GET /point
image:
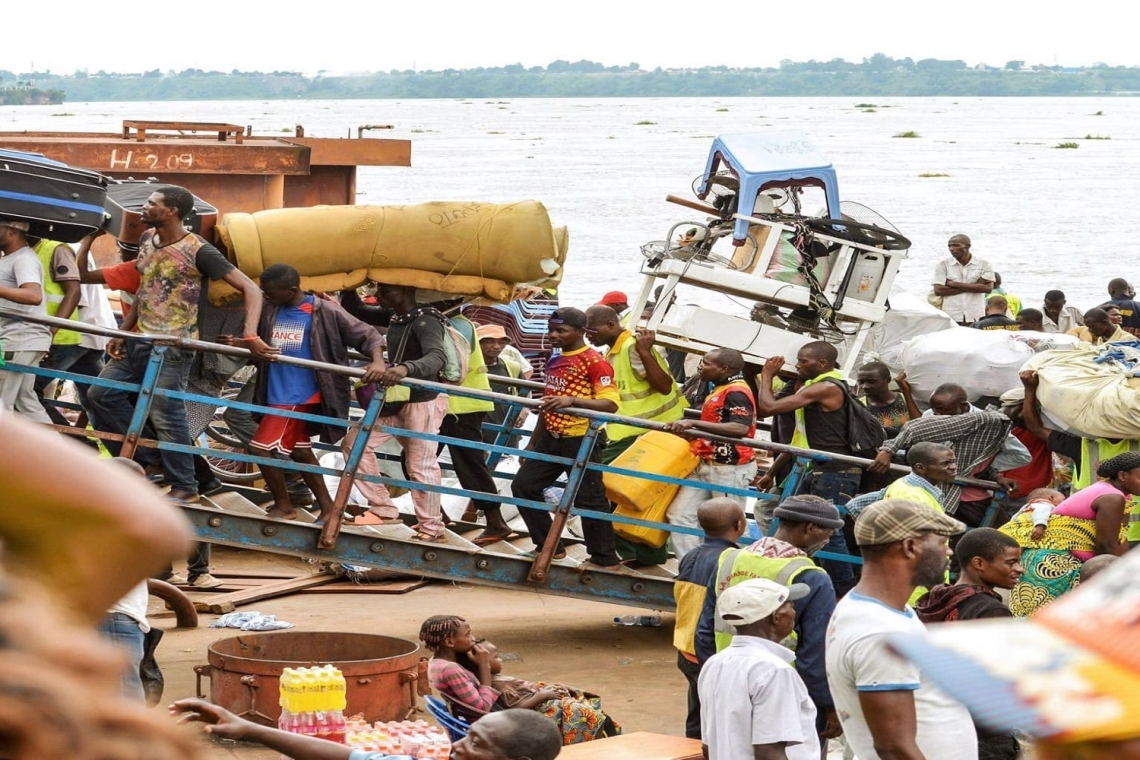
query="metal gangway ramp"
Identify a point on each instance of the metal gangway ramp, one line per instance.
(232, 519)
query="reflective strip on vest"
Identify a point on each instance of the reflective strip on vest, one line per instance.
(1092, 456)
(476, 379)
(53, 293)
(637, 397)
(732, 570)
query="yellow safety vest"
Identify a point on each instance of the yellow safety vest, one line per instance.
(637, 397)
(737, 565)
(53, 293)
(901, 490)
(1092, 456)
(476, 379)
(799, 435)
(1085, 476)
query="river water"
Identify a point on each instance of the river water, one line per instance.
(1045, 217)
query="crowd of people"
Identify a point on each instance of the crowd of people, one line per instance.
(884, 539)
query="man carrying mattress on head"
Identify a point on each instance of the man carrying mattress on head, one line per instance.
(415, 350)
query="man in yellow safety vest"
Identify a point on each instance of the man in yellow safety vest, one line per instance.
(62, 296)
(806, 524)
(647, 391)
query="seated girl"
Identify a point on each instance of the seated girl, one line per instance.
(468, 675)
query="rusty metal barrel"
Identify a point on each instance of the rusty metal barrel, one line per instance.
(244, 671)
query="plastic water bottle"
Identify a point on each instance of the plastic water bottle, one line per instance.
(649, 621)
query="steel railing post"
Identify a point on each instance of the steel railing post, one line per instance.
(331, 529)
(146, 398)
(541, 566)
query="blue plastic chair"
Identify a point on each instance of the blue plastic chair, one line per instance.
(456, 727)
(760, 158)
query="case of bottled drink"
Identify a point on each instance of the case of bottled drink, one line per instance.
(313, 701)
(412, 738)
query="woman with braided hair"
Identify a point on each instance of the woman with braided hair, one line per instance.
(464, 670)
(1088, 523)
(460, 669)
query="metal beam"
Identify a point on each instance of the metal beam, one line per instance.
(430, 560)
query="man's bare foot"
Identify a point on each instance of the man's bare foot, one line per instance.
(282, 514)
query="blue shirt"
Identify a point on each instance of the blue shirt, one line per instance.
(292, 333)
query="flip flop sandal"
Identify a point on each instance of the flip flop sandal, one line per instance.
(488, 540)
(428, 538)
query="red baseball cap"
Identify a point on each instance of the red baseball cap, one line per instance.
(614, 297)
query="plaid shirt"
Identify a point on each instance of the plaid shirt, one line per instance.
(974, 438)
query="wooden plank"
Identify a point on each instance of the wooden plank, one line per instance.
(384, 587)
(221, 603)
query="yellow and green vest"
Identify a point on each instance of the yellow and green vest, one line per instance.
(738, 565)
(476, 379)
(636, 396)
(1097, 450)
(53, 293)
(799, 435)
(901, 490)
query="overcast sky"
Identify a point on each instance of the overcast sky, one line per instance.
(358, 35)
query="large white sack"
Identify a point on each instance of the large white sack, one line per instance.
(1100, 400)
(984, 362)
(908, 317)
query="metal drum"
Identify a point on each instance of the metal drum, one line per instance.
(381, 671)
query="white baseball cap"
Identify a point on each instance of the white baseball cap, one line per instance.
(756, 599)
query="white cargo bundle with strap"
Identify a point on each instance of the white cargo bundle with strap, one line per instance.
(909, 317)
(984, 362)
(1092, 390)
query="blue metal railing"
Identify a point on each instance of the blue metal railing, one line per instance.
(148, 389)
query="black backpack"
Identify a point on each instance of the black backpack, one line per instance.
(865, 432)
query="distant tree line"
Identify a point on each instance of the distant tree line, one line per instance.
(880, 75)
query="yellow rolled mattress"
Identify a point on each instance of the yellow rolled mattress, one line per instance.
(464, 248)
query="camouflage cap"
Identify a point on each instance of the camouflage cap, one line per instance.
(891, 520)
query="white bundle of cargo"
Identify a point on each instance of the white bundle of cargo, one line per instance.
(984, 362)
(908, 317)
(1091, 390)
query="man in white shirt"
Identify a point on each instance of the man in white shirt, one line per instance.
(887, 709)
(23, 342)
(1057, 317)
(753, 703)
(962, 281)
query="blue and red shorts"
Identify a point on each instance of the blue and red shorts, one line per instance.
(284, 434)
